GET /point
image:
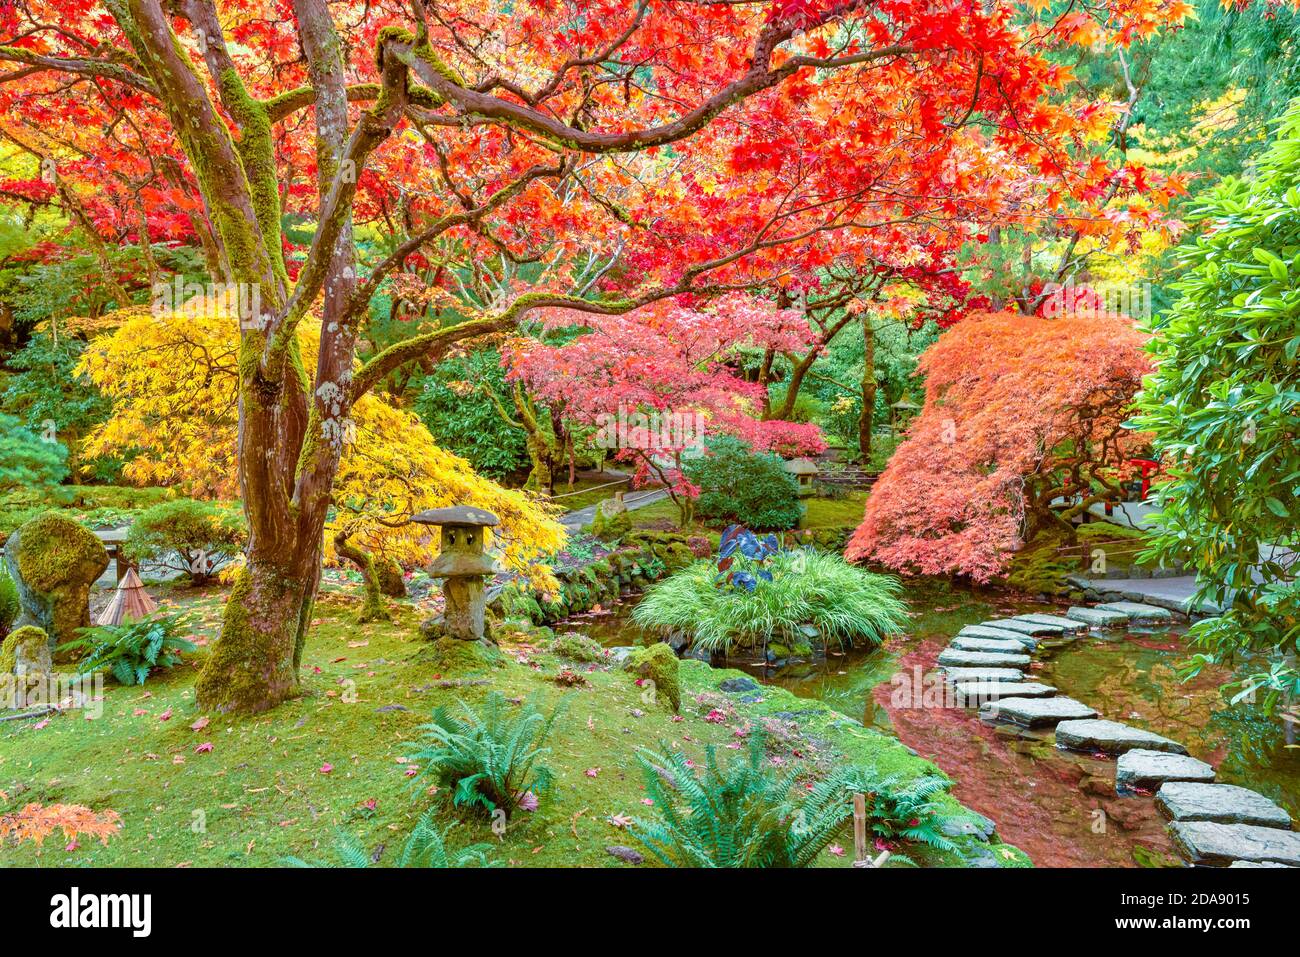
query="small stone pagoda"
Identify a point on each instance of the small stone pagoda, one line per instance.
(463, 565)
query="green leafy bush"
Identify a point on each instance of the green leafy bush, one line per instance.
(133, 651)
(425, 847)
(810, 595)
(1223, 407)
(27, 461)
(740, 815)
(742, 486)
(490, 761)
(187, 536)
(465, 420)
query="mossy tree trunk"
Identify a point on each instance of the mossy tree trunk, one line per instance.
(373, 607)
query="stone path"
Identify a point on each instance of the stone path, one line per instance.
(1210, 824)
(579, 517)
(1174, 594)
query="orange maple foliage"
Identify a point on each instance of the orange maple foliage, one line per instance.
(1020, 412)
(36, 822)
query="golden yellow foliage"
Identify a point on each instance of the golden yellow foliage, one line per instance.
(172, 380)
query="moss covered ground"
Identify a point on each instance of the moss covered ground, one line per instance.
(196, 789)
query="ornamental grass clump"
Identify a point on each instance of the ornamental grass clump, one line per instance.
(759, 594)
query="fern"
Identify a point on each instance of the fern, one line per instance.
(426, 846)
(131, 652)
(906, 812)
(738, 816)
(744, 815)
(490, 761)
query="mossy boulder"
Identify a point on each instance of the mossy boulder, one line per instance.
(26, 651)
(611, 520)
(53, 562)
(578, 647)
(659, 664)
(454, 657)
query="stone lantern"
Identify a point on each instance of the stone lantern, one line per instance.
(463, 565)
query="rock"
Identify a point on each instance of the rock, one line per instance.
(969, 643)
(1143, 768)
(53, 562)
(1111, 737)
(1223, 803)
(984, 631)
(611, 520)
(1257, 864)
(973, 694)
(1137, 611)
(955, 675)
(732, 685)
(625, 854)
(620, 653)
(1065, 624)
(1024, 627)
(679, 641)
(660, 666)
(26, 651)
(1036, 712)
(1097, 616)
(980, 659)
(1207, 842)
(971, 825)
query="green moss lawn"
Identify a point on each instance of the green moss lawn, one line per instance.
(284, 783)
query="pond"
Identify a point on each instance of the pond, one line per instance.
(1060, 807)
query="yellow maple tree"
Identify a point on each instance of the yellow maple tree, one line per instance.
(172, 378)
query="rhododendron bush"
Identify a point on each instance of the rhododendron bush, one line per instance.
(1022, 427)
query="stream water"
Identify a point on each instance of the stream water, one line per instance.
(1060, 807)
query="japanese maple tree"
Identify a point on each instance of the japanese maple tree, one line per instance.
(1020, 412)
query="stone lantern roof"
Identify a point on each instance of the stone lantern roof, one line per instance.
(456, 515)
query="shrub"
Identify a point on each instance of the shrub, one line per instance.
(745, 487)
(741, 815)
(490, 760)
(425, 847)
(759, 594)
(187, 536)
(454, 404)
(131, 652)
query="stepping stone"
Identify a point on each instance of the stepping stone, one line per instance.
(970, 643)
(984, 631)
(1036, 712)
(1111, 737)
(981, 659)
(1024, 627)
(1223, 803)
(1207, 842)
(1065, 624)
(1138, 611)
(1097, 616)
(1257, 864)
(972, 694)
(1141, 768)
(958, 675)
